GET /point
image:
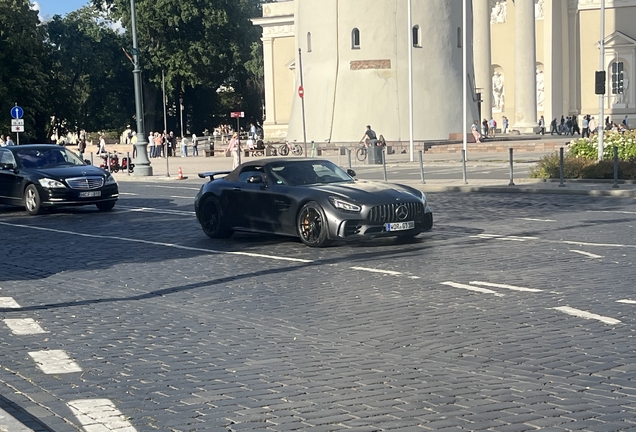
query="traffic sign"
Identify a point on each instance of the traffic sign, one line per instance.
(301, 91)
(237, 114)
(17, 112)
(17, 128)
(17, 122)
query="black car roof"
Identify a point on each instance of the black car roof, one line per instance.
(32, 146)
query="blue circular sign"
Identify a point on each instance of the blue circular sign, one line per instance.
(17, 112)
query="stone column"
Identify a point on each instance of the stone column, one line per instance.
(525, 67)
(481, 52)
(268, 77)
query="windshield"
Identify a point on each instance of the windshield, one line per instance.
(47, 157)
(311, 172)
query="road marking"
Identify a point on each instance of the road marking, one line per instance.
(181, 197)
(8, 303)
(174, 187)
(537, 220)
(160, 211)
(611, 211)
(372, 270)
(504, 286)
(154, 243)
(472, 288)
(99, 415)
(587, 315)
(597, 244)
(504, 237)
(588, 254)
(24, 326)
(626, 301)
(128, 193)
(54, 362)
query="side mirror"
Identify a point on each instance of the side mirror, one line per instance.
(351, 172)
(7, 166)
(255, 179)
(87, 162)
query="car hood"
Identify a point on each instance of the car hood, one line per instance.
(70, 171)
(370, 192)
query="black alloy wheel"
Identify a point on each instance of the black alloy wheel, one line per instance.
(32, 201)
(211, 219)
(312, 225)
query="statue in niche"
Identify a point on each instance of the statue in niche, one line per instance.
(498, 11)
(621, 98)
(540, 90)
(497, 91)
(539, 11)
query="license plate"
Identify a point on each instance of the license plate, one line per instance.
(90, 194)
(400, 226)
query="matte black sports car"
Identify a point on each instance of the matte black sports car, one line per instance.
(44, 175)
(308, 198)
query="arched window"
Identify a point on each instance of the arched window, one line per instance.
(355, 39)
(460, 37)
(618, 83)
(308, 41)
(416, 37)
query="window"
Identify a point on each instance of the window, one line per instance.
(355, 39)
(617, 78)
(416, 37)
(460, 37)
(308, 41)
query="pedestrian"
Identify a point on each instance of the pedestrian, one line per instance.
(475, 130)
(2, 143)
(491, 127)
(158, 140)
(81, 145)
(625, 122)
(195, 145)
(553, 127)
(542, 126)
(235, 148)
(184, 147)
(133, 141)
(504, 120)
(575, 126)
(102, 145)
(592, 126)
(151, 144)
(484, 128)
(172, 144)
(8, 141)
(586, 126)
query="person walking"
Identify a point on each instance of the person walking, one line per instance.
(235, 148)
(475, 130)
(586, 127)
(102, 145)
(195, 145)
(542, 126)
(184, 147)
(9, 142)
(504, 120)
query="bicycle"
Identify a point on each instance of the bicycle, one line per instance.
(295, 149)
(361, 153)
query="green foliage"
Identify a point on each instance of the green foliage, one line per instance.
(576, 167)
(587, 148)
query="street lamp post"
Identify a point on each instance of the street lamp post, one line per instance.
(601, 98)
(142, 163)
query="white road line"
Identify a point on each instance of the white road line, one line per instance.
(174, 187)
(8, 303)
(626, 301)
(500, 237)
(597, 244)
(153, 243)
(128, 193)
(587, 315)
(504, 286)
(54, 362)
(372, 270)
(537, 220)
(154, 210)
(587, 254)
(182, 197)
(472, 288)
(99, 415)
(611, 211)
(24, 326)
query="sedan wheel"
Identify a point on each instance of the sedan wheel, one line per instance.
(211, 219)
(32, 201)
(312, 225)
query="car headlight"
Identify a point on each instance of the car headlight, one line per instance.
(423, 198)
(110, 180)
(344, 205)
(51, 184)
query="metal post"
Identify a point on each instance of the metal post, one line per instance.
(464, 166)
(601, 98)
(421, 166)
(313, 148)
(512, 183)
(349, 157)
(128, 162)
(108, 161)
(92, 159)
(384, 164)
(615, 185)
(561, 167)
(410, 61)
(302, 99)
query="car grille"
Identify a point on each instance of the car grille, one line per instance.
(85, 183)
(388, 212)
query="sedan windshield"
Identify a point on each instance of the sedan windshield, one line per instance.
(47, 157)
(311, 172)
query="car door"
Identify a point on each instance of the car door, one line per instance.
(9, 179)
(252, 198)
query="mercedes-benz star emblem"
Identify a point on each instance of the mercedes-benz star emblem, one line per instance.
(401, 212)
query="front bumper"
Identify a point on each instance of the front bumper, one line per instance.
(71, 197)
(351, 228)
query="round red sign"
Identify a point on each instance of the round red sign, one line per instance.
(301, 91)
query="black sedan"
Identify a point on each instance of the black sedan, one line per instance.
(308, 198)
(37, 176)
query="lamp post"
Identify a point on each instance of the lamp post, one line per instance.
(601, 98)
(142, 163)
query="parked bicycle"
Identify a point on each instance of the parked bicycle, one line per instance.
(285, 149)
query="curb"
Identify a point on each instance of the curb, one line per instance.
(527, 190)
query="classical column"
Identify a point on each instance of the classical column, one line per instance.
(525, 67)
(481, 51)
(268, 77)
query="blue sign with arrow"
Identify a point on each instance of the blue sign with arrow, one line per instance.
(17, 112)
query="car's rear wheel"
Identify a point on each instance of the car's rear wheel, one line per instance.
(312, 225)
(212, 219)
(32, 201)
(106, 205)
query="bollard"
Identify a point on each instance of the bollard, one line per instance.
(615, 185)
(128, 162)
(313, 148)
(168, 165)
(384, 163)
(349, 156)
(464, 166)
(512, 183)
(92, 159)
(108, 161)
(561, 168)
(421, 166)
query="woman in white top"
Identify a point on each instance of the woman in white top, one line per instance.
(235, 147)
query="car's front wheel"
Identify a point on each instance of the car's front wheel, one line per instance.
(211, 219)
(312, 225)
(106, 205)
(32, 201)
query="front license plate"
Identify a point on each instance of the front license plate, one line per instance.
(90, 194)
(400, 226)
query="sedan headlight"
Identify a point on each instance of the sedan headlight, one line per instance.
(51, 184)
(110, 180)
(344, 205)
